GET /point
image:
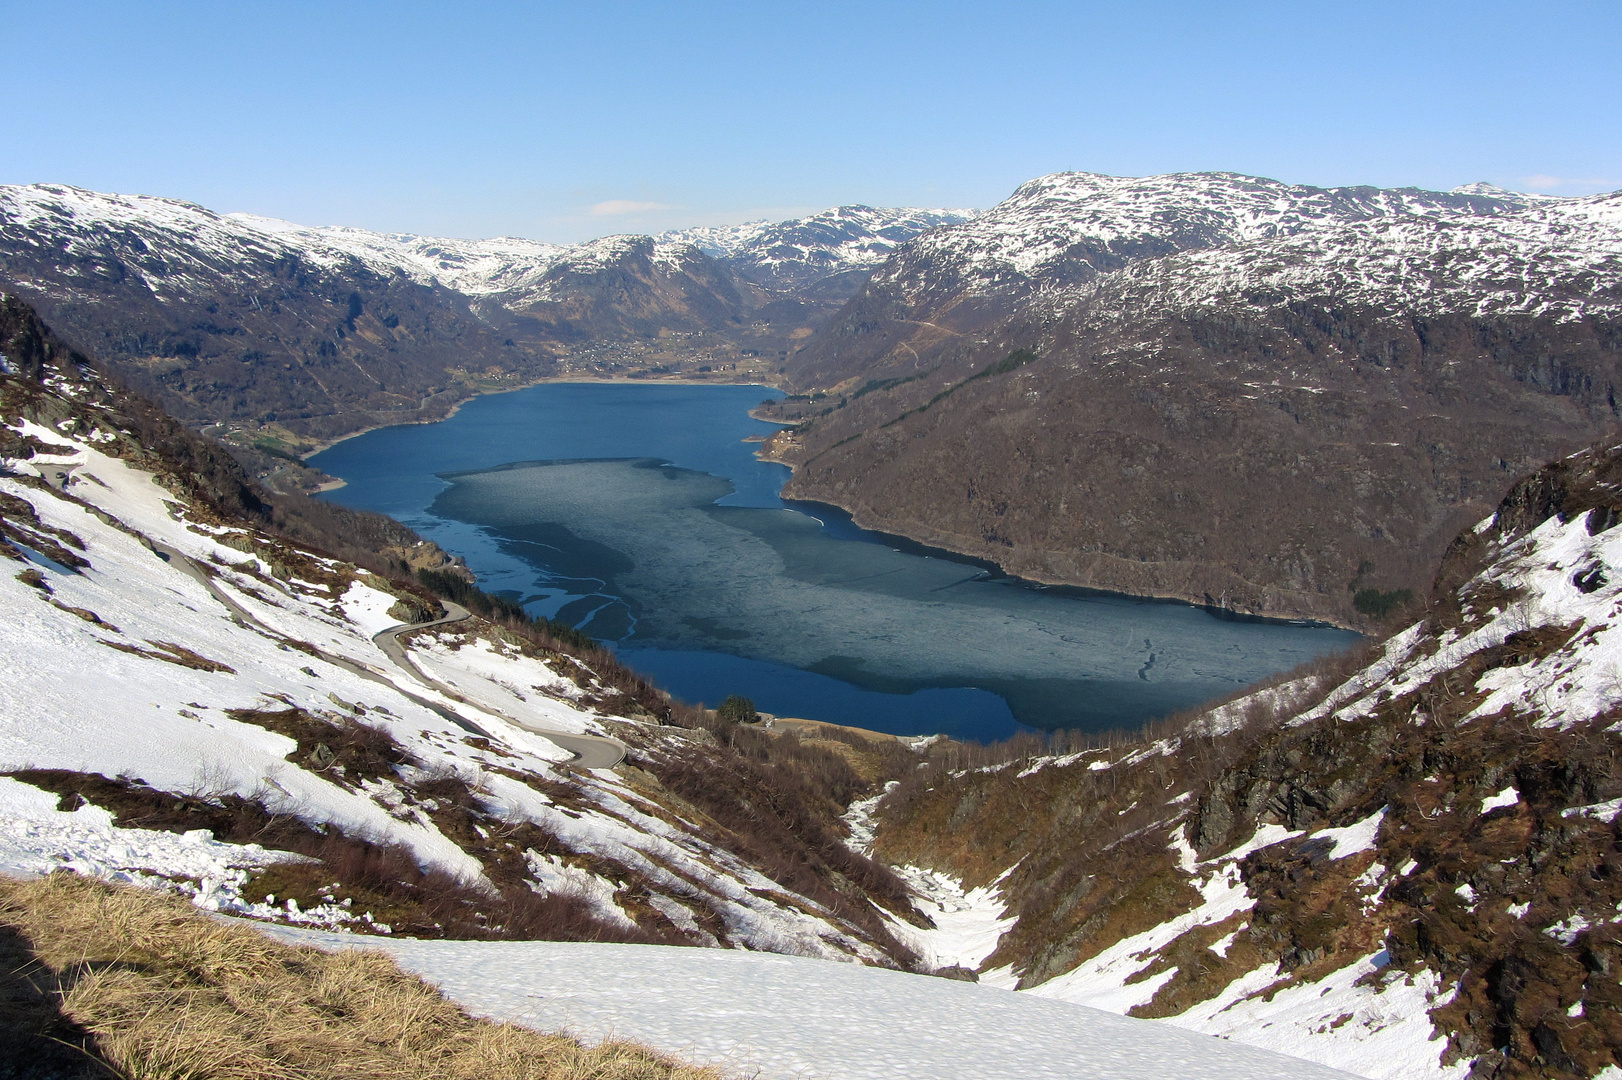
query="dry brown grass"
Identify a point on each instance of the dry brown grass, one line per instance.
(159, 990)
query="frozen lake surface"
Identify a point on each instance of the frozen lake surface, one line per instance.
(640, 514)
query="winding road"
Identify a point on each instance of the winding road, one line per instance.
(590, 751)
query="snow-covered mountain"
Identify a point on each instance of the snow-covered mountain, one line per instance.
(836, 247)
(787, 256)
(223, 321)
(177, 249)
(472, 267)
(1560, 258)
(321, 331)
(1069, 227)
(511, 270)
(70, 243)
(1058, 233)
(188, 246)
(1402, 869)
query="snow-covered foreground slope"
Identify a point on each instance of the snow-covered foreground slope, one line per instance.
(788, 1018)
(109, 697)
(162, 663)
(75, 694)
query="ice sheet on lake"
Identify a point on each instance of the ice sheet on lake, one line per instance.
(770, 585)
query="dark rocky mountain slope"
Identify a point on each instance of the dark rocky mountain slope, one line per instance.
(222, 322)
(1404, 864)
(1293, 408)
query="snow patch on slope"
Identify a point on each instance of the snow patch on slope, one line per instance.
(1380, 1030)
(1354, 1018)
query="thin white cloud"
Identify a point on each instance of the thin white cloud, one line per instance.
(624, 207)
(1546, 183)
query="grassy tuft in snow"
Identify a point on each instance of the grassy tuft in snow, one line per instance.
(114, 981)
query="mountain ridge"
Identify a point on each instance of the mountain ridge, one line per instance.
(1271, 425)
(1067, 228)
(284, 336)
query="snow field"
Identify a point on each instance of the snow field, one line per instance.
(1382, 1031)
(791, 1018)
(968, 923)
(68, 701)
(38, 838)
(1353, 1019)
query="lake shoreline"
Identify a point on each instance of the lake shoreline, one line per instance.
(865, 521)
(876, 527)
(735, 590)
(915, 546)
(456, 406)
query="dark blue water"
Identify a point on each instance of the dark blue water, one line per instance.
(639, 514)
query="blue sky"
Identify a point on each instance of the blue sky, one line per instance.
(566, 121)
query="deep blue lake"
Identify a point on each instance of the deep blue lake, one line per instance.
(640, 514)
